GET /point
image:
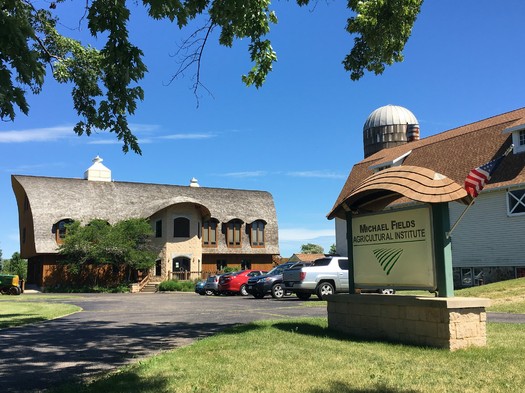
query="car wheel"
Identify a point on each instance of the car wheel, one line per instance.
(208, 292)
(243, 290)
(387, 291)
(258, 295)
(324, 289)
(303, 296)
(277, 291)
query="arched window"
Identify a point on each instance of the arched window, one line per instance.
(60, 230)
(233, 234)
(181, 227)
(257, 233)
(209, 233)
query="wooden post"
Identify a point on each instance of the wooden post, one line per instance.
(350, 246)
(442, 249)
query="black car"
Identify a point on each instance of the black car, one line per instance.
(270, 283)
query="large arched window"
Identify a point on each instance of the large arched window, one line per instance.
(209, 233)
(233, 234)
(257, 233)
(181, 227)
(60, 230)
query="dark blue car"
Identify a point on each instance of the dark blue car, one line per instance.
(270, 283)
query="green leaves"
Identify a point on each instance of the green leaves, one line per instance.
(383, 28)
(106, 82)
(126, 243)
(21, 64)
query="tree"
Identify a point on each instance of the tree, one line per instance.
(125, 245)
(105, 81)
(15, 265)
(311, 248)
(333, 249)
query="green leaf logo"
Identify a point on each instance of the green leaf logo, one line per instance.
(387, 257)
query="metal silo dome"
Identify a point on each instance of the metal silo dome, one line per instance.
(388, 127)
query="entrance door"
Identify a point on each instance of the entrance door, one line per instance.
(181, 265)
(158, 267)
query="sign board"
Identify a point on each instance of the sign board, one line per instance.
(394, 249)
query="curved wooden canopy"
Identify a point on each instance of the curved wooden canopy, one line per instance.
(417, 183)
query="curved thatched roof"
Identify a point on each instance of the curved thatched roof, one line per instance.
(53, 199)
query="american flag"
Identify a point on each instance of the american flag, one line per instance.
(478, 177)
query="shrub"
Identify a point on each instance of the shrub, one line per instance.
(176, 285)
(121, 288)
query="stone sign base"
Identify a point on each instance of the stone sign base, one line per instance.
(452, 323)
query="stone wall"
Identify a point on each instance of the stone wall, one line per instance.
(451, 323)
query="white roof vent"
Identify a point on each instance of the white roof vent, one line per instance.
(194, 183)
(97, 171)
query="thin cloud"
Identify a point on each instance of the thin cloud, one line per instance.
(302, 234)
(244, 174)
(317, 174)
(47, 134)
(104, 142)
(34, 167)
(187, 136)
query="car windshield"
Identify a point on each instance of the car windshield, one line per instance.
(211, 279)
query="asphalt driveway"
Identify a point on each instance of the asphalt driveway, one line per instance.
(115, 329)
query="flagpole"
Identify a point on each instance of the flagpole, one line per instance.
(507, 152)
(459, 218)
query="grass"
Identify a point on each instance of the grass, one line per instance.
(304, 356)
(506, 296)
(18, 313)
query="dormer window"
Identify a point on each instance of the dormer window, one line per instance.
(389, 164)
(60, 230)
(257, 233)
(233, 234)
(518, 137)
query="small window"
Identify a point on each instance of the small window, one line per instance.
(158, 228)
(60, 229)
(181, 227)
(522, 138)
(516, 202)
(246, 264)
(233, 234)
(209, 233)
(257, 233)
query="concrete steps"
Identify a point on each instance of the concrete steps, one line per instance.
(150, 287)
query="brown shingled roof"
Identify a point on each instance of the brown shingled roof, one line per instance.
(452, 153)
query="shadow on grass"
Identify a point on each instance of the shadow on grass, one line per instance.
(127, 381)
(342, 387)
(12, 320)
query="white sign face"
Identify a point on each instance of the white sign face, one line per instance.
(394, 250)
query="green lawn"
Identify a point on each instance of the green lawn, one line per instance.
(304, 356)
(20, 312)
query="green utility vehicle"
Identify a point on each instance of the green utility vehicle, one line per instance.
(10, 284)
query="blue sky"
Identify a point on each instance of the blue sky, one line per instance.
(296, 137)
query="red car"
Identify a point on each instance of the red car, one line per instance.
(234, 283)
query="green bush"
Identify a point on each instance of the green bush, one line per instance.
(121, 288)
(176, 285)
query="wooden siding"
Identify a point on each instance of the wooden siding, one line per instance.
(487, 236)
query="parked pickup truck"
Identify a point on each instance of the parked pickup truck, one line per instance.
(323, 277)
